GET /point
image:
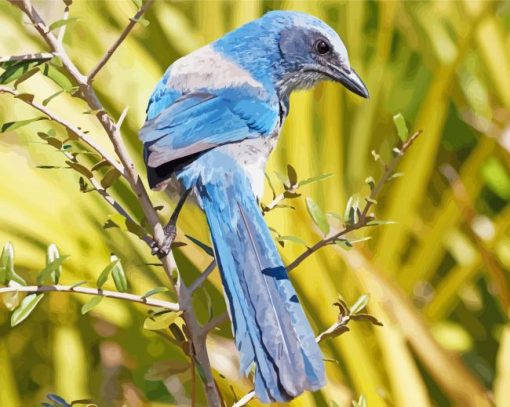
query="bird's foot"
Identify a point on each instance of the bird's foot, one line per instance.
(162, 250)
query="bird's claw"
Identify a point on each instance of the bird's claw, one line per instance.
(162, 250)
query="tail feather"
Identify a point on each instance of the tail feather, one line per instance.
(269, 323)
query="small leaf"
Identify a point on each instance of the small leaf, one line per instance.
(27, 306)
(118, 274)
(15, 69)
(294, 239)
(80, 168)
(203, 246)
(283, 179)
(26, 97)
(62, 22)
(270, 183)
(100, 164)
(52, 271)
(314, 179)
(396, 175)
(292, 174)
(318, 216)
(103, 277)
(163, 321)
(363, 239)
(290, 195)
(53, 73)
(400, 124)
(381, 222)
(360, 304)
(110, 177)
(344, 244)
(91, 304)
(11, 300)
(20, 123)
(25, 76)
(78, 284)
(366, 317)
(370, 182)
(154, 291)
(143, 22)
(51, 97)
(162, 370)
(7, 272)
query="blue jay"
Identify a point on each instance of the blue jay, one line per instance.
(212, 122)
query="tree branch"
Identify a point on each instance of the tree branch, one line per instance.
(89, 95)
(201, 279)
(91, 291)
(364, 217)
(119, 40)
(71, 128)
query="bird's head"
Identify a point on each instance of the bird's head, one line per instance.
(298, 50)
(312, 51)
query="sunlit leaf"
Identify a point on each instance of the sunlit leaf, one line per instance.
(54, 73)
(7, 272)
(80, 168)
(314, 179)
(292, 174)
(103, 277)
(110, 177)
(400, 124)
(203, 246)
(51, 272)
(9, 126)
(94, 301)
(361, 303)
(62, 22)
(118, 275)
(163, 321)
(26, 307)
(154, 291)
(318, 216)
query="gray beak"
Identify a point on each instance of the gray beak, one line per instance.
(350, 79)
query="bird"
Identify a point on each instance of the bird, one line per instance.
(212, 121)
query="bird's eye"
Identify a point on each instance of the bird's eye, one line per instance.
(322, 47)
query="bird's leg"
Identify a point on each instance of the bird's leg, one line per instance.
(170, 228)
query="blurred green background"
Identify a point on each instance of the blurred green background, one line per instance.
(438, 279)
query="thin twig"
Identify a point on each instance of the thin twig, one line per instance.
(38, 56)
(213, 323)
(71, 128)
(119, 40)
(62, 31)
(364, 217)
(91, 291)
(201, 279)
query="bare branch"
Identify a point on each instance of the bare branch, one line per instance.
(119, 40)
(62, 30)
(213, 323)
(38, 56)
(73, 129)
(364, 217)
(201, 279)
(91, 291)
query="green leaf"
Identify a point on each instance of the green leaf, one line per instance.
(381, 222)
(110, 177)
(143, 22)
(25, 76)
(162, 321)
(367, 317)
(53, 73)
(27, 306)
(15, 69)
(363, 239)
(20, 123)
(283, 179)
(400, 124)
(294, 239)
(103, 277)
(91, 304)
(318, 216)
(292, 174)
(26, 97)
(78, 284)
(51, 97)
(344, 244)
(270, 183)
(52, 141)
(118, 274)
(100, 164)
(7, 272)
(314, 179)
(360, 304)
(154, 291)
(52, 271)
(203, 246)
(62, 22)
(80, 168)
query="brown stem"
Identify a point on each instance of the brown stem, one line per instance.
(133, 178)
(91, 291)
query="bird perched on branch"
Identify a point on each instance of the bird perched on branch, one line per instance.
(212, 122)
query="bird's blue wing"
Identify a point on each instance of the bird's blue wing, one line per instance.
(202, 120)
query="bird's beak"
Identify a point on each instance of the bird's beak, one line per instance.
(350, 79)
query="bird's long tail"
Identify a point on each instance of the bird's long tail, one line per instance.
(269, 324)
